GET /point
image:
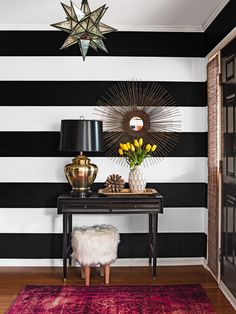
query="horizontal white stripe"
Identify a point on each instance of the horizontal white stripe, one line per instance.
(120, 262)
(46, 220)
(193, 119)
(48, 118)
(51, 169)
(103, 68)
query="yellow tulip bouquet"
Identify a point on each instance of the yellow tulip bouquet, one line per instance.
(135, 152)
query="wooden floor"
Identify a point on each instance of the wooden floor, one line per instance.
(13, 279)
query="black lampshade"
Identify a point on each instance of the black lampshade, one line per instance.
(81, 135)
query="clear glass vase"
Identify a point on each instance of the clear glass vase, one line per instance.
(137, 181)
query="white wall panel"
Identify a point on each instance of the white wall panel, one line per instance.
(51, 169)
(48, 118)
(103, 68)
(46, 220)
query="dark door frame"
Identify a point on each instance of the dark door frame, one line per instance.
(218, 110)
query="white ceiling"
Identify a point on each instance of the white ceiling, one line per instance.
(129, 15)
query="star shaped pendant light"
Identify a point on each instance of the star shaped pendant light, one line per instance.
(84, 27)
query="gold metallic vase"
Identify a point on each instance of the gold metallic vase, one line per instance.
(81, 174)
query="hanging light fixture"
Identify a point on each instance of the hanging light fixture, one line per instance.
(84, 27)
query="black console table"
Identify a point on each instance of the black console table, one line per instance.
(69, 204)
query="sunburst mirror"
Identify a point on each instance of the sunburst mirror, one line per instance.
(134, 109)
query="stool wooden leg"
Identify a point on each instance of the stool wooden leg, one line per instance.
(87, 275)
(107, 273)
(82, 272)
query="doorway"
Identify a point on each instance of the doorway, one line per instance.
(228, 212)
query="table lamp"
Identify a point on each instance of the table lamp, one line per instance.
(81, 136)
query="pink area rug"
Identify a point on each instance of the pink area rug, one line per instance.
(176, 299)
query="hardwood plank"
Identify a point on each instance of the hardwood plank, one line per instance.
(13, 279)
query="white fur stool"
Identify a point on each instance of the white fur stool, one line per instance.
(95, 245)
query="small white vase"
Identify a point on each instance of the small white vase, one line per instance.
(137, 181)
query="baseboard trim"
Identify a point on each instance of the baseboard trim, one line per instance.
(160, 261)
(205, 265)
(121, 262)
(227, 294)
(221, 285)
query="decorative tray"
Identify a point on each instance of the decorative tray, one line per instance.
(127, 192)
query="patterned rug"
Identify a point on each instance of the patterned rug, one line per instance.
(176, 299)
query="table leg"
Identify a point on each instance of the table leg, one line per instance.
(70, 236)
(65, 236)
(154, 229)
(150, 239)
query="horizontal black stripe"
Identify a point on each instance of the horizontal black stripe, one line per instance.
(192, 144)
(40, 195)
(87, 93)
(15, 245)
(48, 43)
(168, 44)
(46, 144)
(221, 26)
(169, 245)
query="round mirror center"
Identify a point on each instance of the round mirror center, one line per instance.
(136, 123)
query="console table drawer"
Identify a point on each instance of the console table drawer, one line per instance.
(109, 207)
(136, 207)
(83, 208)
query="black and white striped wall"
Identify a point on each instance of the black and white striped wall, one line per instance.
(41, 85)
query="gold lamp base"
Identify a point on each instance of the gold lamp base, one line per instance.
(81, 174)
